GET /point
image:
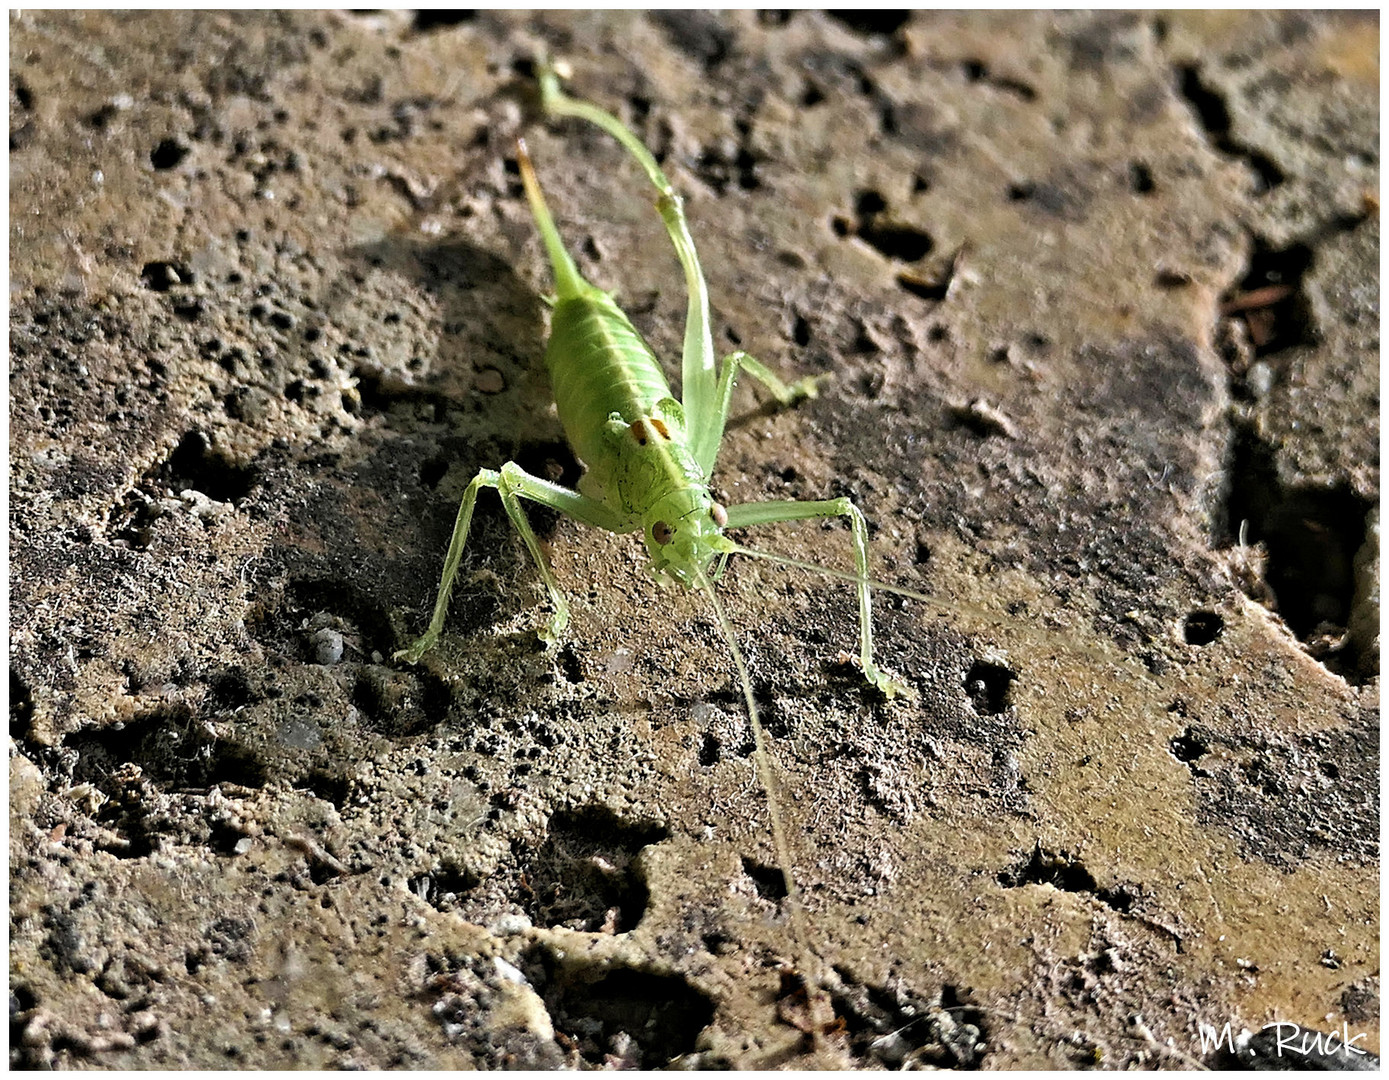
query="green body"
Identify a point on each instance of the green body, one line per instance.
(619, 414)
(648, 457)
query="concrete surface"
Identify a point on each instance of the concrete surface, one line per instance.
(1098, 295)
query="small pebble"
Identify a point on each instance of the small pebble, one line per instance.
(327, 646)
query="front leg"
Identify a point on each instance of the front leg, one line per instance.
(513, 483)
(767, 513)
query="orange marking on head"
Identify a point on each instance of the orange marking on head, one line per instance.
(660, 426)
(638, 431)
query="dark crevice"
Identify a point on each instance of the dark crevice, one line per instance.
(868, 21)
(171, 749)
(400, 704)
(1202, 627)
(619, 1018)
(1141, 178)
(902, 243)
(1189, 747)
(584, 876)
(194, 465)
(434, 469)
(569, 665)
(162, 275)
(428, 21)
(378, 390)
(927, 288)
(769, 880)
(1270, 301)
(1064, 871)
(1214, 116)
(552, 460)
(444, 885)
(197, 465)
(976, 71)
(168, 154)
(329, 786)
(989, 687)
(230, 689)
(1299, 542)
(21, 708)
(723, 167)
(891, 238)
(326, 600)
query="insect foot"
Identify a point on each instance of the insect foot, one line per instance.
(887, 685)
(553, 628)
(418, 648)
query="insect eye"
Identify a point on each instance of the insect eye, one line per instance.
(661, 533)
(719, 514)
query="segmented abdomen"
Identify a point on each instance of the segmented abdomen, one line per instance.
(599, 365)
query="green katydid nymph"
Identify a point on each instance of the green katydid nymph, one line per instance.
(649, 457)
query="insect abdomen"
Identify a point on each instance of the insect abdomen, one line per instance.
(599, 365)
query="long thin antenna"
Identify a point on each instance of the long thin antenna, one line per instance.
(732, 547)
(807, 958)
(735, 548)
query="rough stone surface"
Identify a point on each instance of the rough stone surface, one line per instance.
(1098, 295)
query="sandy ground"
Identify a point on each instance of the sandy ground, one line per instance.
(1098, 299)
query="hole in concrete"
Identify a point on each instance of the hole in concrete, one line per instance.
(400, 704)
(1140, 178)
(1064, 871)
(1269, 300)
(989, 687)
(161, 275)
(769, 881)
(1189, 746)
(569, 665)
(443, 885)
(902, 243)
(925, 288)
(427, 21)
(893, 239)
(196, 465)
(1309, 536)
(1059, 869)
(872, 22)
(168, 154)
(1202, 627)
(627, 1019)
(584, 875)
(173, 751)
(21, 707)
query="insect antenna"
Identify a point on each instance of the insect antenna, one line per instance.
(806, 957)
(732, 547)
(965, 611)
